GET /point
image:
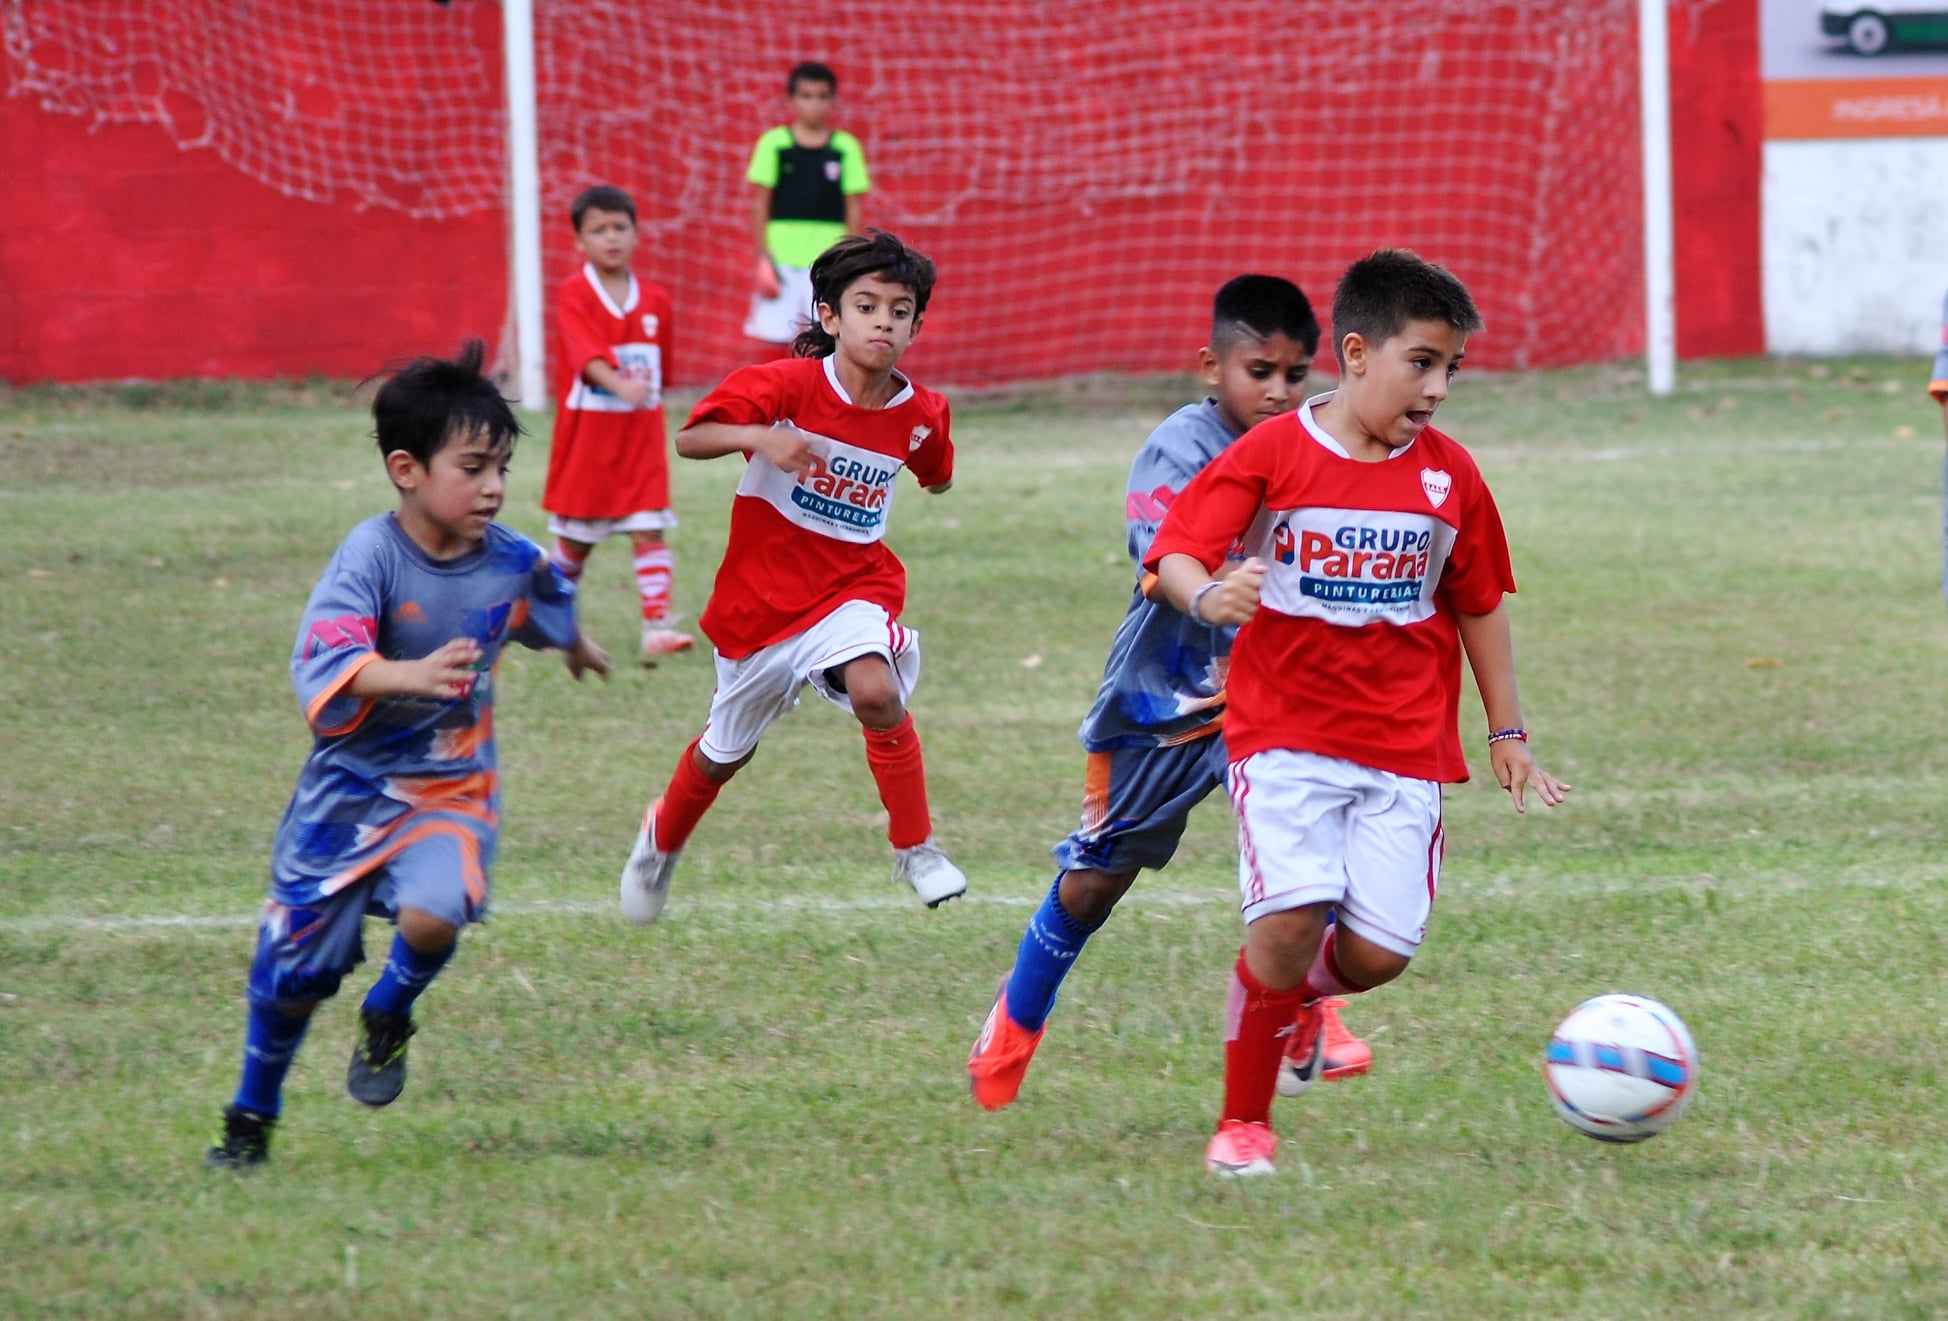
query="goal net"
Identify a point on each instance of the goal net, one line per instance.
(1085, 174)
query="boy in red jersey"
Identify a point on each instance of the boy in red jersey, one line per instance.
(808, 591)
(1377, 558)
(1155, 735)
(609, 467)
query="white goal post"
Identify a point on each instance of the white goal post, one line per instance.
(524, 201)
(1660, 295)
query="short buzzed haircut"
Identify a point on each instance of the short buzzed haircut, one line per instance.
(1256, 307)
(1380, 293)
(602, 197)
(810, 71)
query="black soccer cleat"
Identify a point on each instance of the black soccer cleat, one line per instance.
(244, 1143)
(378, 1070)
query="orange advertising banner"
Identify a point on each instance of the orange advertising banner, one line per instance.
(1856, 108)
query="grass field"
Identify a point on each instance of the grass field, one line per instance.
(1731, 638)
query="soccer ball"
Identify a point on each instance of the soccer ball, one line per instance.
(1621, 1068)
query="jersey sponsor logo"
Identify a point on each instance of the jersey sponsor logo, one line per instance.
(343, 631)
(1354, 566)
(1436, 484)
(845, 493)
(1357, 565)
(637, 362)
(846, 490)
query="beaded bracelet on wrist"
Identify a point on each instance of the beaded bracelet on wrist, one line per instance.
(1197, 598)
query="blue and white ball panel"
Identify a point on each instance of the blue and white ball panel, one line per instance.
(1621, 1068)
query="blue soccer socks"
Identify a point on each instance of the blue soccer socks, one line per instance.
(270, 1044)
(408, 972)
(1048, 947)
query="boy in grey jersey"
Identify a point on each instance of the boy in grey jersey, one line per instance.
(1154, 735)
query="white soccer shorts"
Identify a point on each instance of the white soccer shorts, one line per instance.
(754, 692)
(595, 531)
(1315, 829)
(778, 320)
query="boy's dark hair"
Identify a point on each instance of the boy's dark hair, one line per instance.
(1380, 293)
(810, 71)
(428, 401)
(874, 252)
(1257, 307)
(602, 197)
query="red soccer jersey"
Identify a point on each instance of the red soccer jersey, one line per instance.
(801, 546)
(1354, 651)
(608, 459)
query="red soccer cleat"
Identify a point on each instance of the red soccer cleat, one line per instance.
(999, 1060)
(659, 641)
(1346, 1055)
(1241, 1150)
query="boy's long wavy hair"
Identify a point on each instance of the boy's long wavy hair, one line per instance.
(873, 253)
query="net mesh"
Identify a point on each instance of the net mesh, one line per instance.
(1084, 174)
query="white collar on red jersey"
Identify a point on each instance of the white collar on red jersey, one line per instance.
(594, 278)
(832, 375)
(1325, 437)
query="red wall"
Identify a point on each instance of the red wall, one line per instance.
(1717, 137)
(122, 257)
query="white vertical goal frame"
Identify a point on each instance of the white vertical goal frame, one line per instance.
(1660, 284)
(524, 200)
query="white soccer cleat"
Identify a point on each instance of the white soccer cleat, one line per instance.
(646, 876)
(930, 872)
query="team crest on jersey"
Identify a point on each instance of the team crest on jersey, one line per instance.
(832, 171)
(920, 435)
(649, 325)
(1436, 484)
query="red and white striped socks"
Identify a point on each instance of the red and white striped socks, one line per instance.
(655, 566)
(571, 557)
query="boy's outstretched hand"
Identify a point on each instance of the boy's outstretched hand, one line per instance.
(766, 279)
(587, 654)
(1515, 770)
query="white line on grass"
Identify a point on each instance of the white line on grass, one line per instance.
(45, 923)
(1495, 887)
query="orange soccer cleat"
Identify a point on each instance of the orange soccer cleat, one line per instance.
(999, 1060)
(1346, 1055)
(660, 641)
(1241, 1149)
